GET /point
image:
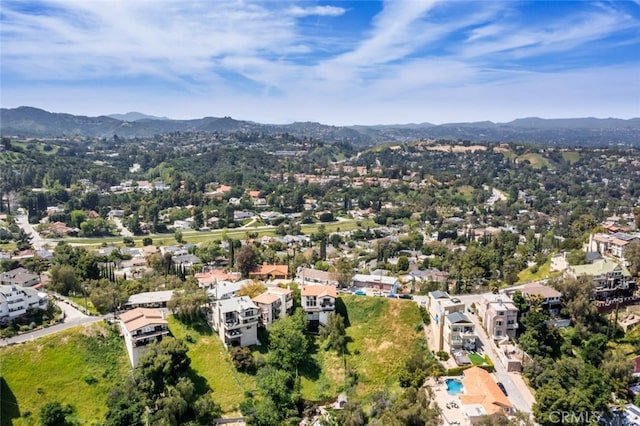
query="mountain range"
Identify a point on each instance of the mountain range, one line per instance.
(33, 122)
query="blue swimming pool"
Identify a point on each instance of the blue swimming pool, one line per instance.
(454, 386)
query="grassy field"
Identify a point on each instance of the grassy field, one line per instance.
(543, 272)
(571, 156)
(381, 334)
(537, 161)
(210, 360)
(76, 367)
(194, 237)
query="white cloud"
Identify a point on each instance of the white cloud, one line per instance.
(298, 11)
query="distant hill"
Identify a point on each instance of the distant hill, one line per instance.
(34, 122)
(135, 116)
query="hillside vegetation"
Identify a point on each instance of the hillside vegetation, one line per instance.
(75, 367)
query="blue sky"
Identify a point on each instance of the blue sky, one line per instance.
(340, 62)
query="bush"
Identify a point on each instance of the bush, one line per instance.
(90, 380)
(147, 241)
(54, 414)
(242, 358)
(442, 355)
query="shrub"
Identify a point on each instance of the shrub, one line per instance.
(442, 355)
(242, 358)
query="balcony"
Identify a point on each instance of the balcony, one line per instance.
(327, 306)
(248, 314)
(231, 334)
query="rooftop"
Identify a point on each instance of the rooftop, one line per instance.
(138, 318)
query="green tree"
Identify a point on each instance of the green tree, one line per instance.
(632, 255)
(63, 279)
(55, 414)
(246, 260)
(334, 334)
(288, 342)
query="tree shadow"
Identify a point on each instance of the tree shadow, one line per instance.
(198, 325)
(341, 309)
(199, 382)
(8, 404)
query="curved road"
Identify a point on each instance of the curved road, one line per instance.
(73, 318)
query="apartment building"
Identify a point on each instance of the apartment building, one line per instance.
(452, 329)
(236, 321)
(16, 300)
(499, 316)
(140, 327)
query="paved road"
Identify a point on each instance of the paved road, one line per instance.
(37, 241)
(123, 231)
(73, 318)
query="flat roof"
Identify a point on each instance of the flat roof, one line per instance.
(150, 297)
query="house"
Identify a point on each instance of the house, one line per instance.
(318, 301)
(226, 289)
(611, 279)
(499, 316)
(377, 281)
(150, 299)
(482, 396)
(20, 277)
(270, 306)
(440, 305)
(270, 272)
(309, 276)
(458, 332)
(286, 296)
(548, 297)
(16, 300)
(213, 276)
(236, 321)
(140, 327)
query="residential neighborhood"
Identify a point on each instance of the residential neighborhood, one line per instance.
(476, 290)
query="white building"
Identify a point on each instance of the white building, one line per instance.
(236, 321)
(318, 301)
(16, 300)
(140, 327)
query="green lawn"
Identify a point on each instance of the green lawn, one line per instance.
(77, 367)
(476, 359)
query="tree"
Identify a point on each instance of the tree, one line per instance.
(187, 304)
(334, 334)
(54, 414)
(246, 260)
(87, 267)
(288, 342)
(632, 255)
(403, 263)
(242, 358)
(343, 272)
(252, 289)
(63, 279)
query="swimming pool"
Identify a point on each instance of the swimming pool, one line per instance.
(454, 386)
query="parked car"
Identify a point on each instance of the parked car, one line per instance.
(360, 293)
(405, 296)
(392, 296)
(501, 386)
